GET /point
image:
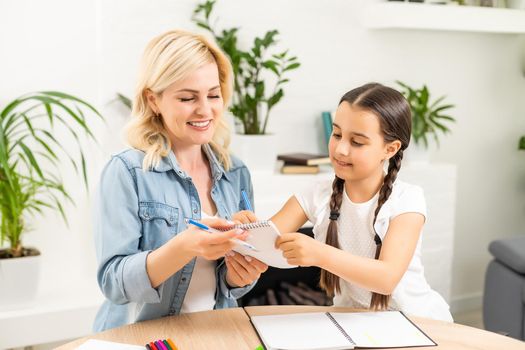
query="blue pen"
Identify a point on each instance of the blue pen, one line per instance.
(246, 200)
(213, 230)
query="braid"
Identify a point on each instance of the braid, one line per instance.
(380, 301)
(330, 282)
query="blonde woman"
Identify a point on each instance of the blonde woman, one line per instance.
(151, 264)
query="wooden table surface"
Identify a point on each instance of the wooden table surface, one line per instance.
(217, 329)
(448, 336)
(231, 329)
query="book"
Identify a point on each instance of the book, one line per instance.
(327, 125)
(339, 330)
(262, 235)
(304, 158)
(299, 169)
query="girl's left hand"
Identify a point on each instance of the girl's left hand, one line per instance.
(244, 217)
(300, 249)
(242, 270)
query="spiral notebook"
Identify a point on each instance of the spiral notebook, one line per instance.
(262, 235)
(339, 330)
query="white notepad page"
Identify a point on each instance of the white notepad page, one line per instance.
(331, 331)
(305, 331)
(382, 329)
(262, 235)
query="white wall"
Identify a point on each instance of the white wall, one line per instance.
(91, 48)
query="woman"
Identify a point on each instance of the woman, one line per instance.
(150, 263)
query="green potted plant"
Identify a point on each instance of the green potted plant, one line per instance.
(428, 119)
(254, 95)
(30, 155)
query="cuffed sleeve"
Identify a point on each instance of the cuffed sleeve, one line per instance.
(121, 274)
(227, 292)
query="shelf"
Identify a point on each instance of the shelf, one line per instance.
(55, 315)
(404, 15)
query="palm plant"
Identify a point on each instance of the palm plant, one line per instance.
(427, 118)
(30, 155)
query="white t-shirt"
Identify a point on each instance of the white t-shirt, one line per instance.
(412, 295)
(200, 295)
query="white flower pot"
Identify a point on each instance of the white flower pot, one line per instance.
(19, 280)
(258, 152)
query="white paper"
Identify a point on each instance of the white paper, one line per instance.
(383, 329)
(317, 331)
(263, 238)
(304, 331)
(94, 344)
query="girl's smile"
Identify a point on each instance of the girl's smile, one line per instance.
(341, 163)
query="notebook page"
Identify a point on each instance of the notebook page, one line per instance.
(305, 331)
(384, 329)
(262, 235)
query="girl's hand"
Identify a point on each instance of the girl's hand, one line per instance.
(300, 249)
(242, 270)
(244, 217)
(210, 246)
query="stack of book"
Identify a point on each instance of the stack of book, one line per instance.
(302, 163)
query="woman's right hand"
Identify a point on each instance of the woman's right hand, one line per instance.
(211, 246)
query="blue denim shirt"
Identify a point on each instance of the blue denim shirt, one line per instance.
(137, 212)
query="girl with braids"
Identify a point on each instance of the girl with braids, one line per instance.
(367, 223)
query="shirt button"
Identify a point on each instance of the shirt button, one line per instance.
(195, 211)
(183, 279)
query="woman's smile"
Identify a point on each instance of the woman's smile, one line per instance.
(200, 125)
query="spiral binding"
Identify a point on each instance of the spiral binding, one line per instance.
(343, 332)
(252, 225)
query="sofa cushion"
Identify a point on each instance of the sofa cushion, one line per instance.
(510, 251)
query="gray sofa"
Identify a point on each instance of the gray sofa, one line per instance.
(504, 295)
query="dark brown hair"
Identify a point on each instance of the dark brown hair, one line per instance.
(393, 112)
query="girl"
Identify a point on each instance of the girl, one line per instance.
(367, 224)
(150, 263)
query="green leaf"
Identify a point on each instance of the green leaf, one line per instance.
(292, 66)
(271, 65)
(521, 144)
(84, 171)
(274, 99)
(31, 158)
(126, 101)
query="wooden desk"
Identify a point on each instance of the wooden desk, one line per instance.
(217, 329)
(231, 329)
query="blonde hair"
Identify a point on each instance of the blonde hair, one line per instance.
(167, 59)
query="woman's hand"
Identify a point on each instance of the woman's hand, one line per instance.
(244, 217)
(300, 249)
(210, 246)
(242, 270)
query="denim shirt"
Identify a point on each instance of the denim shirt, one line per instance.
(138, 211)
